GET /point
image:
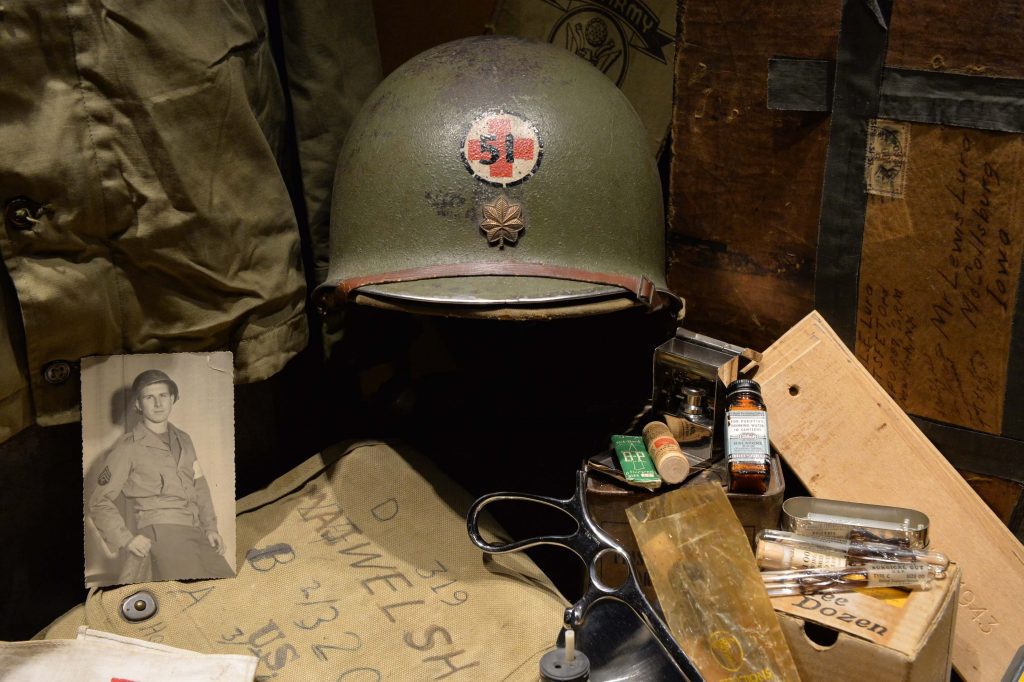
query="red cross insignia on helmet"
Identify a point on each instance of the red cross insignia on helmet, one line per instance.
(501, 149)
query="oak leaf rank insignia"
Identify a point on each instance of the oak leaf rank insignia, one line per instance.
(502, 223)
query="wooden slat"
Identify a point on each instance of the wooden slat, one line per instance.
(846, 439)
(745, 183)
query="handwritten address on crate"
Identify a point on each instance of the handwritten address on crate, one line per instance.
(939, 277)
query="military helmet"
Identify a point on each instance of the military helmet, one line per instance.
(497, 177)
(153, 376)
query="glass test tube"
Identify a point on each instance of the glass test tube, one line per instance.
(828, 580)
(777, 549)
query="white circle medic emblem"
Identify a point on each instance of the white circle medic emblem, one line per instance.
(501, 149)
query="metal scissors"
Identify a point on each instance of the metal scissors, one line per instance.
(589, 542)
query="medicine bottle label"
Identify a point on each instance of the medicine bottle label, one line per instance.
(747, 437)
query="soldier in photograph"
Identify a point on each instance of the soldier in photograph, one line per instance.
(167, 496)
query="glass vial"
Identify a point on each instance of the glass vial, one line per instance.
(746, 438)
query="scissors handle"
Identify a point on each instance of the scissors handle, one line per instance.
(589, 542)
(473, 523)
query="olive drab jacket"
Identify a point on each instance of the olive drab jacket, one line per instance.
(162, 482)
(143, 150)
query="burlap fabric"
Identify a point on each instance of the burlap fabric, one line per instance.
(354, 566)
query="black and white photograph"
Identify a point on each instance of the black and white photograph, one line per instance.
(158, 467)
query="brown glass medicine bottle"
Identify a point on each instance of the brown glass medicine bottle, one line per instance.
(746, 438)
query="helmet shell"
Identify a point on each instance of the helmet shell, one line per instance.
(150, 377)
(496, 176)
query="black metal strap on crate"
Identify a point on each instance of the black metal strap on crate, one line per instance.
(863, 41)
(857, 87)
(981, 453)
(952, 99)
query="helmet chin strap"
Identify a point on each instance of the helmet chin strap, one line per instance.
(640, 287)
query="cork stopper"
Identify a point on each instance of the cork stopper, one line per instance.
(664, 449)
(774, 556)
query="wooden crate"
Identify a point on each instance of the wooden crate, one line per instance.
(799, 184)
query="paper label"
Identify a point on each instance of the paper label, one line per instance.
(897, 575)
(896, 619)
(633, 458)
(747, 437)
(885, 166)
(805, 558)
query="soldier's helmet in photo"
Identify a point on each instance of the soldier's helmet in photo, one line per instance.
(502, 178)
(150, 377)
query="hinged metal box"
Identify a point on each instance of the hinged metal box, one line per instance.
(691, 373)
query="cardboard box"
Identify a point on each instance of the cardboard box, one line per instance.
(882, 635)
(845, 439)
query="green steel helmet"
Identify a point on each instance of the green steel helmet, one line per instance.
(497, 177)
(150, 377)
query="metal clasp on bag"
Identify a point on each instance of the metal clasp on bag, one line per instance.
(139, 606)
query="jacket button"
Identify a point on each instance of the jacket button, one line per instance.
(57, 372)
(21, 213)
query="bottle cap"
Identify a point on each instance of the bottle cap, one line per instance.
(741, 385)
(654, 429)
(554, 667)
(693, 399)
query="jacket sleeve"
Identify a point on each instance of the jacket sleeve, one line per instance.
(207, 518)
(204, 500)
(333, 64)
(109, 483)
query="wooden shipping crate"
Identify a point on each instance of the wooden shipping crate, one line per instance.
(865, 159)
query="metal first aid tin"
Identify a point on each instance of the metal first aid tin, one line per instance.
(853, 520)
